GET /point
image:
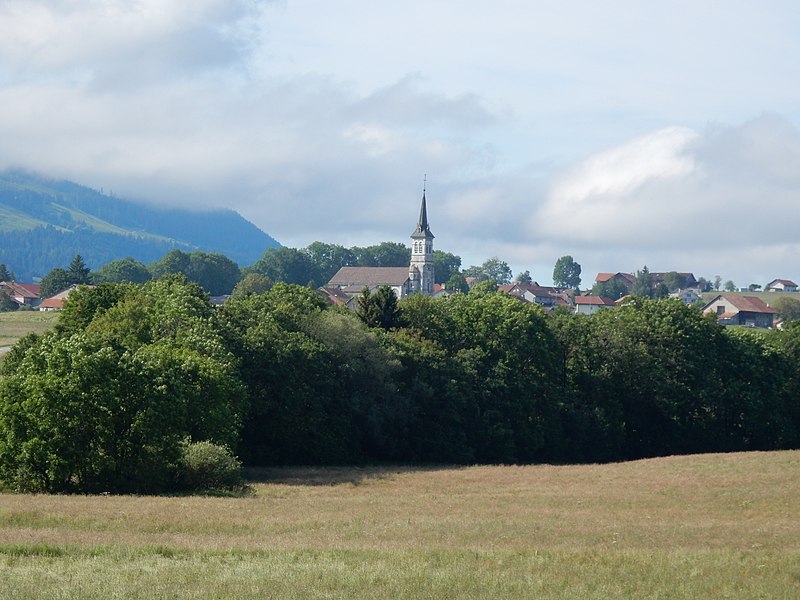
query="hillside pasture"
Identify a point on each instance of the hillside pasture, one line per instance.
(710, 526)
(14, 325)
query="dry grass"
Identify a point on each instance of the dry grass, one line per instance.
(710, 526)
(14, 325)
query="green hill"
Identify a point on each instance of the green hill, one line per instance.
(44, 223)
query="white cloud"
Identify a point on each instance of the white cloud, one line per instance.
(720, 200)
(118, 43)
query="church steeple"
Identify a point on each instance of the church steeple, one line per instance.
(423, 230)
(421, 268)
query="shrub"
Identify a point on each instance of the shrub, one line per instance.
(208, 466)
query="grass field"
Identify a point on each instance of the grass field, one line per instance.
(713, 526)
(14, 325)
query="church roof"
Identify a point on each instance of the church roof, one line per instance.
(369, 276)
(423, 230)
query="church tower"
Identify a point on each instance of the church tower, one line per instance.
(421, 269)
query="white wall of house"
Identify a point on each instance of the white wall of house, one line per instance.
(588, 309)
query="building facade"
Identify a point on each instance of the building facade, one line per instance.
(417, 278)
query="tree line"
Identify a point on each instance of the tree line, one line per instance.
(134, 372)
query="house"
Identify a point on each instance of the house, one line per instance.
(545, 296)
(687, 296)
(626, 279)
(417, 278)
(587, 305)
(781, 285)
(336, 296)
(57, 302)
(747, 311)
(24, 294)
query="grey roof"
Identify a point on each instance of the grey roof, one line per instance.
(369, 276)
(423, 230)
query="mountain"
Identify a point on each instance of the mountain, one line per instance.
(44, 223)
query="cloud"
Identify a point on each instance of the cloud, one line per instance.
(118, 43)
(719, 200)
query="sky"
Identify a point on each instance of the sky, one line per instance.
(623, 133)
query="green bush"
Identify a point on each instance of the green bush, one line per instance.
(208, 466)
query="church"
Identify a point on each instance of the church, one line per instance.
(417, 278)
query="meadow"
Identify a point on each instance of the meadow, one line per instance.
(14, 325)
(707, 526)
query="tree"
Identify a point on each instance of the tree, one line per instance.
(729, 286)
(78, 271)
(215, 273)
(104, 406)
(385, 254)
(288, 265)
(674, 281)
(510, 387)
(123, 270)
(753, 287)
(704, 285)
(567, 273)
(612, 288)
(661, 291)
(58, 279)
(5, 274)
(493, 269)
(717, 282)
(252, 283)
(54, 282)
(297, 366)
(643, 286)
(445, 265)
(6, 303)
(524, 278)
(457, 283)
(379, 309)
(787, 308)
(329, 258)
(173, 262)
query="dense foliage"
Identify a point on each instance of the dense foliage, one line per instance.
(103, 402)
(108, 399)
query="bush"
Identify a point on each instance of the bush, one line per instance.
(208, 466)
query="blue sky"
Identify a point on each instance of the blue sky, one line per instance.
(623, 133)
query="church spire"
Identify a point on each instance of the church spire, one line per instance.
(423, 230)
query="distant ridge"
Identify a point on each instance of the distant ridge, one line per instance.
(44, 223)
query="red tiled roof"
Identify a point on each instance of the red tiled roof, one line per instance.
(603, 277)
(749, 304)
(785, 282)
(26, 290)
(369, 276)
(52, 303)
(744, 303)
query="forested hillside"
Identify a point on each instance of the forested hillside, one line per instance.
(44, 223)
